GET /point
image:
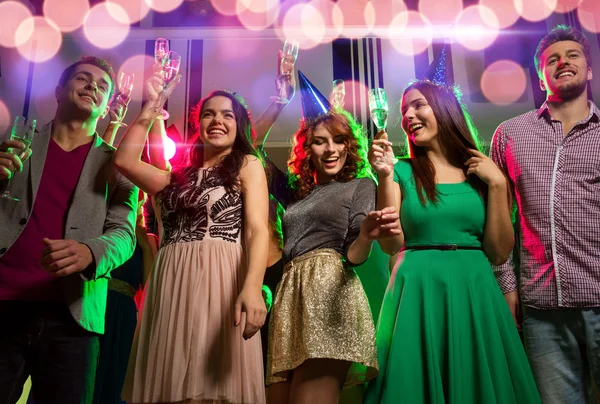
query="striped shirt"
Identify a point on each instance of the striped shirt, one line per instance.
(556, 182)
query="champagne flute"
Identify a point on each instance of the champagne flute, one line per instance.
(338, 94)
(22, 131)
(378, 106)
(170, 69)
(286, 67)
(125, 88)
(161, 49)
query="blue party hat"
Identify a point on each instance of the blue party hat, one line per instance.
(440, 70)
(314, 104)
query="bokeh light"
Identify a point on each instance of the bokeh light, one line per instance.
(164, 6)
(255, 21)
(68, 18)
(384, 12)
(564, 6)
(259, 6)
(170, 147)
(505, 11)
(138, 65)
(43, 43)
(12, 14)
(135, 9)
(349, 18)
(503, 82)
(477, 27)
(304, 23)
(325, 9)
(440, 12)
(5, 118)
(535, 10)
(102, 29)
(589, 15)
(225, 7)
(410, 33)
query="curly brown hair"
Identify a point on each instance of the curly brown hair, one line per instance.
(300, 167)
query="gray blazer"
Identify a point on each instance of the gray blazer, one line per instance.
(101, 216)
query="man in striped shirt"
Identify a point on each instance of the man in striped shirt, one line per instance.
(552, 158)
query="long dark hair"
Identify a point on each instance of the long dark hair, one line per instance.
(230, 165)
(456, 134)
(337, 122)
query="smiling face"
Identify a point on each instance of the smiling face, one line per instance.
(327, 153)
(418, 119)
(564, 71)
(218, 123)
(87, 90)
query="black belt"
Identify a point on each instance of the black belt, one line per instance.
(443, 247)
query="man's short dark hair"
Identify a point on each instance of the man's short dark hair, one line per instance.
(558, 34)
(94, 61)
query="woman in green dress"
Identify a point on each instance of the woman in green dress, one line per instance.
(445, 332)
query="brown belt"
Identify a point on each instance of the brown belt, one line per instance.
(122, 287)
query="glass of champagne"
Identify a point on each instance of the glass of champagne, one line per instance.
(22, 131)
(338, 94)
(125, 89)
(286, 67)
(161, 49)
(378, 106)
(170, 69)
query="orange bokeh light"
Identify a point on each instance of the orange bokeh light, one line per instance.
(503, 82)
(43, 44)
(66, 18)
(12, 14)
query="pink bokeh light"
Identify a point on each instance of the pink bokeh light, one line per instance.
(225, 7)
(43, 44)
(535, 10)
(67, 19)
(440, 12)
(12, 14)
(102, 29)
(135, 9)
(589, 15)
(5, 118)
(410, 33)
(170, 147)
(477, 27)
(140, 65)
(384, 12)
(255, 21)
(564, 6)
(304, 23)
(349, 18)
(503, 82)
(505, 11)
(163, 6)
(259, 6)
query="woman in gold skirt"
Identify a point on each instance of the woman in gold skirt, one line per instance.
(321, 334)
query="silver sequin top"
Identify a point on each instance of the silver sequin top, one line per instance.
(329, 217)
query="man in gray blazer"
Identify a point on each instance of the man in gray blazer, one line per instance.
(74, 224)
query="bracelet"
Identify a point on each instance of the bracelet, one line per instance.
(280, 100)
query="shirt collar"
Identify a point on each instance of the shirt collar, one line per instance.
(544, 109)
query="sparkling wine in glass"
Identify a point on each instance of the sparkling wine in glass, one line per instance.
(126, 84)
(22, 131)
(161, 50)
(338, 94)
(170, 69)
(286, 67)
(378, 106)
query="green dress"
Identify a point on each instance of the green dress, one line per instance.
(445, 332)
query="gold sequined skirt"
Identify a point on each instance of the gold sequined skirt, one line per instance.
(321, 311)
